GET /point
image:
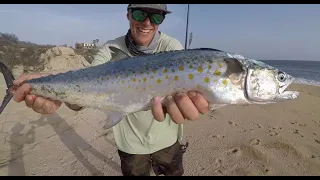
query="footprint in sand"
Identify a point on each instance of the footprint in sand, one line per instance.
(293, 122)
(272, 132)
(255, 142)
(201, 168)
(317, 123)
(218, 162)
(259, 126)
(219, 172)
(232, 123)
(295, 131)
(299, 124)
(248, 151)
(217, 136)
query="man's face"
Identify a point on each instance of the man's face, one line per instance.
(143, 32)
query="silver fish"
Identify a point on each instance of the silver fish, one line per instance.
(127, 86)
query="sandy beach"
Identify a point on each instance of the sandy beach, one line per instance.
(275, 139)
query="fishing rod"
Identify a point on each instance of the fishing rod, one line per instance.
(185, 43)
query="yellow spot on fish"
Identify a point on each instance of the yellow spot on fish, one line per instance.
(220, 65)
(167, 77)
(165, 70)
(153, 70)
(190, 76)
(190, 66)
(144, 79)
(176, 78)
(181, 68)
(209, 67)
(108, 78)
(206, 80)
(134, 79)
(217, 72)
(158, 81)
(225, 82)
(117, 76)
(200, 69)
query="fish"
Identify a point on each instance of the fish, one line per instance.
(127, 86)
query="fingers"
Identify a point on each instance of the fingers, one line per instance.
(26, 77)
(186, 106)
(42, 105)
(180, 107)
(157, 109)
(21, 92)
(29, 100)
(38, 104)
(199, 102)
(173, 110)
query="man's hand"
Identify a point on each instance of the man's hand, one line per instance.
(38, 104)
(180, 107)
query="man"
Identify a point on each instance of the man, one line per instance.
(149, 138)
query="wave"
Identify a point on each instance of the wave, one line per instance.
(307, 82)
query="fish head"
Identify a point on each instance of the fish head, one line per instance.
(268, 85)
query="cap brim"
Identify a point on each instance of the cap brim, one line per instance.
(150, 7)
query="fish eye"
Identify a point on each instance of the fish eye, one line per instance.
(281, 76)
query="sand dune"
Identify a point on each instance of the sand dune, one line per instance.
(275, 139)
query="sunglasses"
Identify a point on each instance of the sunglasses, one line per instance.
(155, 18)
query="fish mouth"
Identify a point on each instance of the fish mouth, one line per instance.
(287, 95)
(284, 87)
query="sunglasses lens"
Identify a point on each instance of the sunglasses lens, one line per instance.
(157, 18)
(139, 15)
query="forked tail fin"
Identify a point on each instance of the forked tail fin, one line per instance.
(9, 81)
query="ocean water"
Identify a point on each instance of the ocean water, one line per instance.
(305, 72)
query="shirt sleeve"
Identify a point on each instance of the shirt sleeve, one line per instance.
(174, 44)
(103, 56)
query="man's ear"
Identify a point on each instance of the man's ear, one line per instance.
(128, 15)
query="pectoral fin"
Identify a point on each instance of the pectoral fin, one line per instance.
(113, 119)
(215, 106)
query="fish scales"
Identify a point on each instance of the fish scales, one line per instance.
(127, 86)
(130, 84)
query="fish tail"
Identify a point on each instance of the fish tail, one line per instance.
(9, 81)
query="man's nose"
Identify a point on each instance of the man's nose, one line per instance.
(147, 21)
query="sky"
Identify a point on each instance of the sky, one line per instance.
(288, 32)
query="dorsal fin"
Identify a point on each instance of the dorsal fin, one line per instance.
(208, 49)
